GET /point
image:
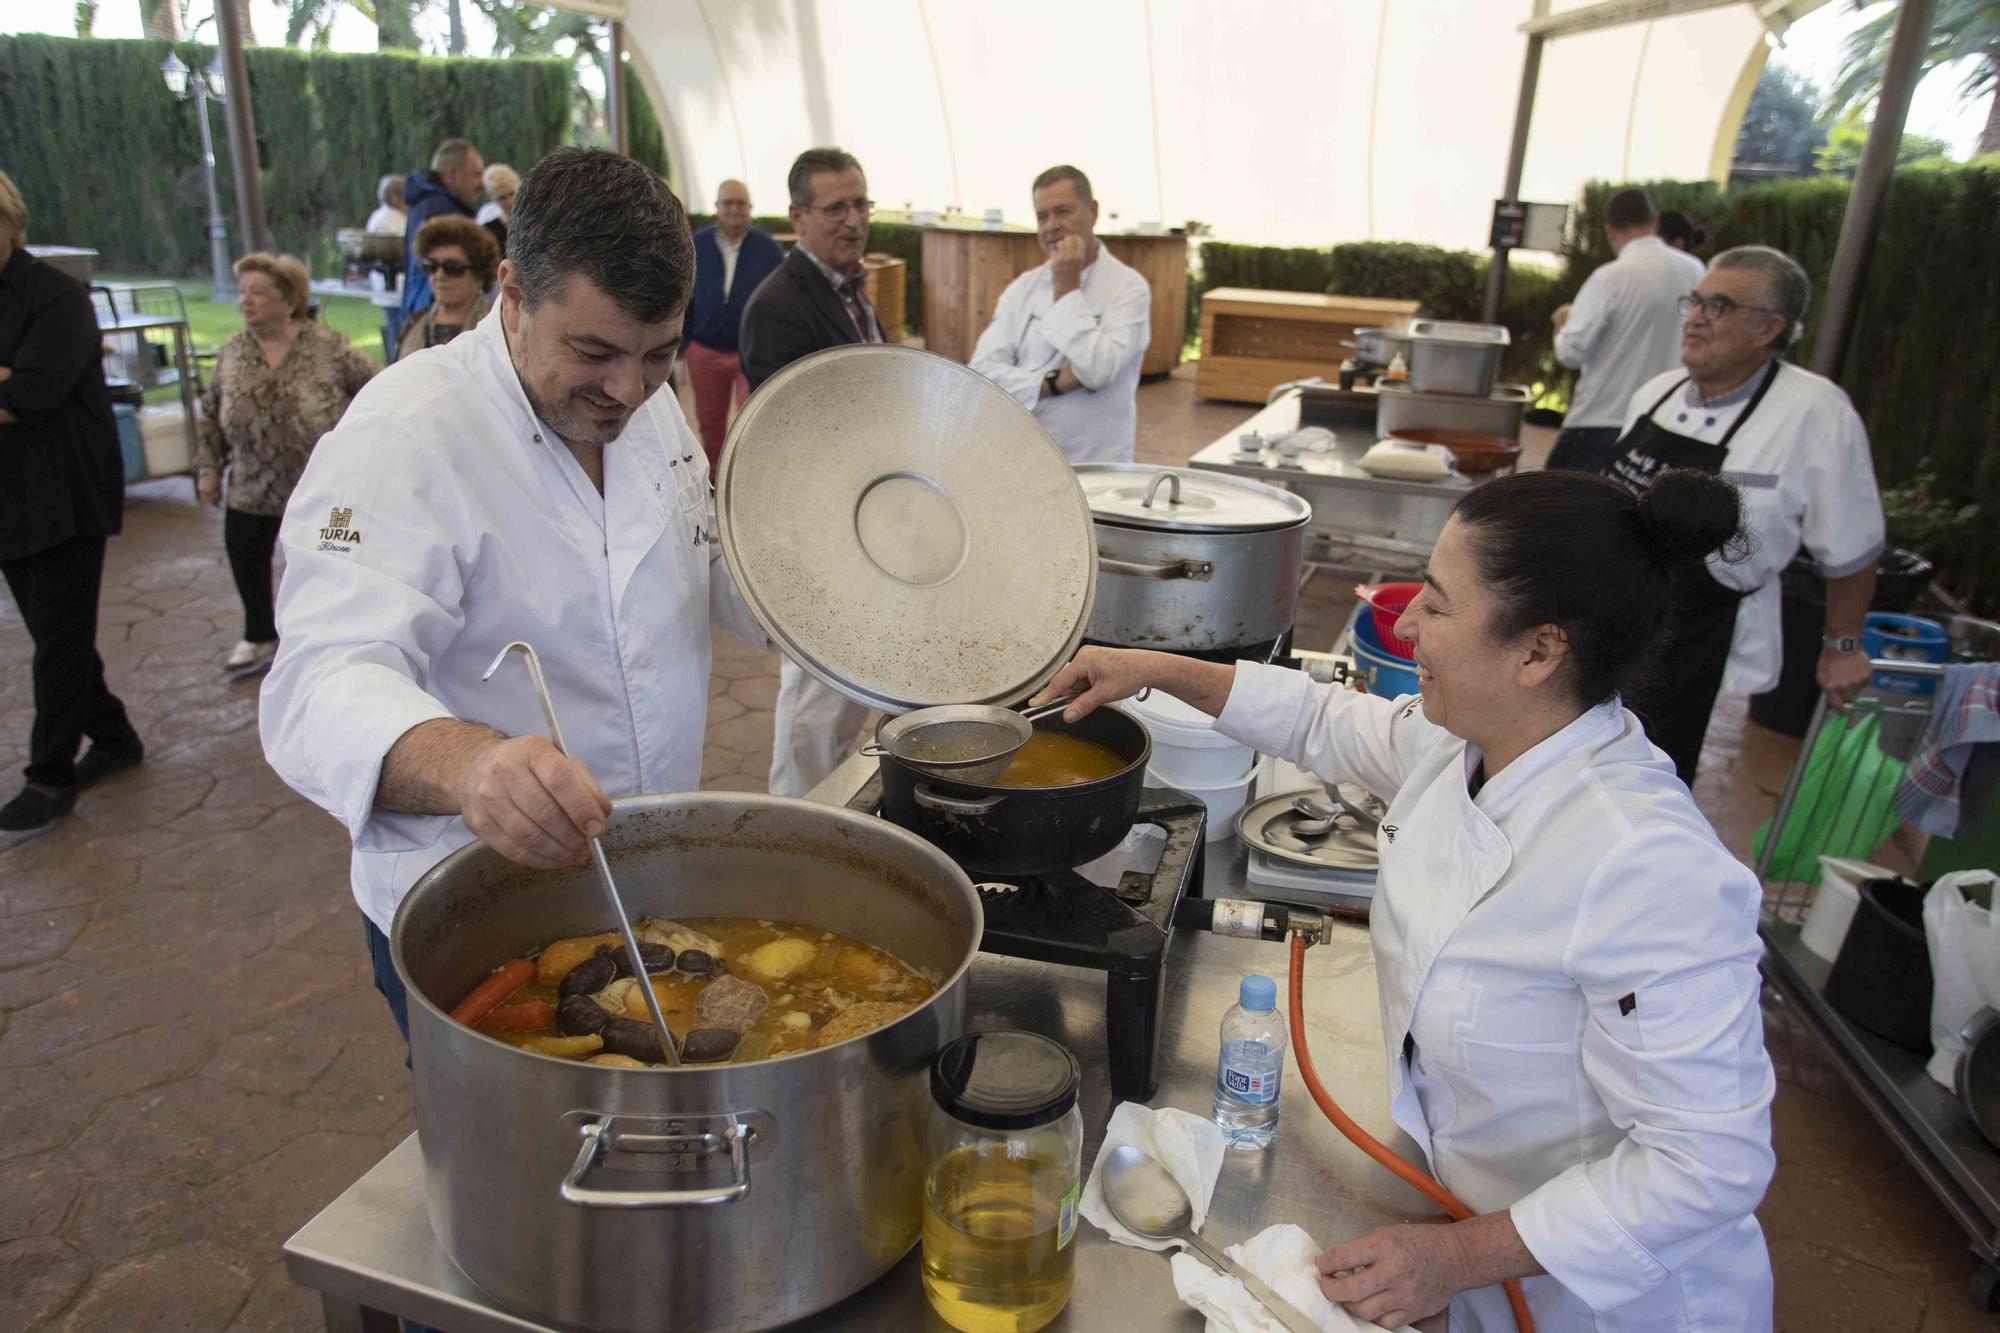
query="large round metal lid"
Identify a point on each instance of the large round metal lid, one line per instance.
(905, 531)
(1139, 495)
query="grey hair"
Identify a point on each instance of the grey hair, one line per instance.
(1787, 289)
(389, 190)
(613, 220)
(1056, 175)
(452, 154)
(816, 162)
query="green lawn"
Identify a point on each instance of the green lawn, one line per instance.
(211, 322)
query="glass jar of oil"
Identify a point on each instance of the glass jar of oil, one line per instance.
(1005, 1151)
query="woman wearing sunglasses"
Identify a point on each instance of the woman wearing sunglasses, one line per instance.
(461, 259)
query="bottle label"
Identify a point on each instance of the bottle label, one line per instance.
(1245, 1086)
(1066, 1218)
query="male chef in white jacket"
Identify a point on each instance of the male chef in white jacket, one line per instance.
(526, 481)
(1068, 336)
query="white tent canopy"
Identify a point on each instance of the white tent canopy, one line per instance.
(1275, 121)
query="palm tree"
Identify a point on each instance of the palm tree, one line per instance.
(1967, 30)
(160, 18)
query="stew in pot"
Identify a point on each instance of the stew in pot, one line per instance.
(1051, 759)
(732, 989)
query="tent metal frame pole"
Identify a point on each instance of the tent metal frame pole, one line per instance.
(254, 229)
(1871, 183)
(614, 92)
(1517, 156)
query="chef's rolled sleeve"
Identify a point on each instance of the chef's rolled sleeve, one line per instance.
(1335, 733)
(1673, 1046)
(1098, 343)
(1578, 336)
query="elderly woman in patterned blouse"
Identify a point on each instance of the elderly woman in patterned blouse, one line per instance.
(278, 385)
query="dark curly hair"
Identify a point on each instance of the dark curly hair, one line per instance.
(481, 250)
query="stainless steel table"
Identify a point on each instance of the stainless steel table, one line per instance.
(1359, 521)
(372, 1249)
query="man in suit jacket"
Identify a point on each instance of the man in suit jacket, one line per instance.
(62, 492)
(813, 301)
(730, 259)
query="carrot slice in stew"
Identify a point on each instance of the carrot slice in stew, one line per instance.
(487, 995)
(526, 1016)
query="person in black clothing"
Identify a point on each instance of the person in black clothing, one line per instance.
(62, 492)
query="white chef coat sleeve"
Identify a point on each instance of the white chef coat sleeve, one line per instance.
(1665, 951)
(1842, 527)
(993, 357)
(1335, 733)
(1098, 343)
(1589, 314)
(362, 616)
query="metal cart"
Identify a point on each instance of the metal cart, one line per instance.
(1926, 1122)
(147, 325)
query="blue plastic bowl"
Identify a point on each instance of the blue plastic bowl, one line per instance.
(1385, 673)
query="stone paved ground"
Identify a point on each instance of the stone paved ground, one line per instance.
(193, 1061)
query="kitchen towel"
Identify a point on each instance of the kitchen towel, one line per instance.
(1964, 722)
(1191, 1147)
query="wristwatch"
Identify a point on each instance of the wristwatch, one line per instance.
(1049, 383)
(1842, 643)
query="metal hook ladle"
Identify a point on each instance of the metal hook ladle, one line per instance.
(604, 880)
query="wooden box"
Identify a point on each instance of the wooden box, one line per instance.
(1253, 341)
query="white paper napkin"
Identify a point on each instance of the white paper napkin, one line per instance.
(1191, 1147)
(1283, 1256)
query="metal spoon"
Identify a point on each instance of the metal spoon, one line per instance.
(604, 880)
(1149, 1201)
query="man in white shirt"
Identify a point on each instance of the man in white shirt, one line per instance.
(527, 481)
(1067, 337)
(1623, 328)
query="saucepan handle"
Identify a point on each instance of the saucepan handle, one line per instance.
(1198, 570)
(931, 799)
(694, 1141)
(874, 750)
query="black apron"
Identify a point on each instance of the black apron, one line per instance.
(1675, 696)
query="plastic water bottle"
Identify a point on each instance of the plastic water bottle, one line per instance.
(1252, 1062)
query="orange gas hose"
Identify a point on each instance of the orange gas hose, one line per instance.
(1367, 1142)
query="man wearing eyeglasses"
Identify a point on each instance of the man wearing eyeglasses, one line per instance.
(1795, 448)
(1620, 331)
(815, 300)
(1068, 337)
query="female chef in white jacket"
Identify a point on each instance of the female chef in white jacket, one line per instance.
(1566, 955)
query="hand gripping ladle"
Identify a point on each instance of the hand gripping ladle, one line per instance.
(604, 880)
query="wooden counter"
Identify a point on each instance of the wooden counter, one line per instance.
(966, 270)
(1253, 341)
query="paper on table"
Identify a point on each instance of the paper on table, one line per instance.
(1283, 1256)
(1191, 1147)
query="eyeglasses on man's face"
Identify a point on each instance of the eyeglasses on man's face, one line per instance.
(837, 211)
(1715, 308)
(451, 268)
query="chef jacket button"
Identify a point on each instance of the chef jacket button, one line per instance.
(1711, 421)
(1683, 416)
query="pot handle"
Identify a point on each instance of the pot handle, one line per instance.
(929, 798)
(706, 1137)
(1198, 570)
(874, 750)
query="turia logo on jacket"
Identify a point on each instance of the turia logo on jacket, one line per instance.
(339, 534)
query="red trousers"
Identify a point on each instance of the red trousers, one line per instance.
(718, 387)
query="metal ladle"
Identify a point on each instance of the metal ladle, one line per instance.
(1146, 1199)
(604, 880)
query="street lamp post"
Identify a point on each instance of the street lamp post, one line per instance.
(185, 83)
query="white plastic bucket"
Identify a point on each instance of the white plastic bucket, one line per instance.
(1225, 800)
(1833, 904)
(1188, 752)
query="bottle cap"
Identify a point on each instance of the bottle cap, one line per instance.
(1005, 1080)
(1258, 994)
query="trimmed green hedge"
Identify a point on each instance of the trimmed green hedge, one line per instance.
(107, 158)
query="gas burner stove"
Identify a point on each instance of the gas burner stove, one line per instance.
(1114, 915)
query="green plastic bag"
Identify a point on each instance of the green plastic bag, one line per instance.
(1843, 802)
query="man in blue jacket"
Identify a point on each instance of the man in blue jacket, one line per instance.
(730, 259)
(451, 185)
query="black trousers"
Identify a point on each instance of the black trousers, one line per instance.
(1585, 448)
(1677, 694)
(249, 539)
(57, 592)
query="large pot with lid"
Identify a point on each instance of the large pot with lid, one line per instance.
(1192, 561)
(710, 1197)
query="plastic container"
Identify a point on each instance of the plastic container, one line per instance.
(1251, 1065)
(1384, 673)
(1005, 1152)
(130, 442)
(1225, 800)
(1885, 634)
(1387, 602)
(1881, 978)
(1188, 751)
(1835, 901)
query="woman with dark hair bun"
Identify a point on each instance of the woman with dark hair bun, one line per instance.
(1566, 956)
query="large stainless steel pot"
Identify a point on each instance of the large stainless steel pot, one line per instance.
(1192, 561)
(706, 1197)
